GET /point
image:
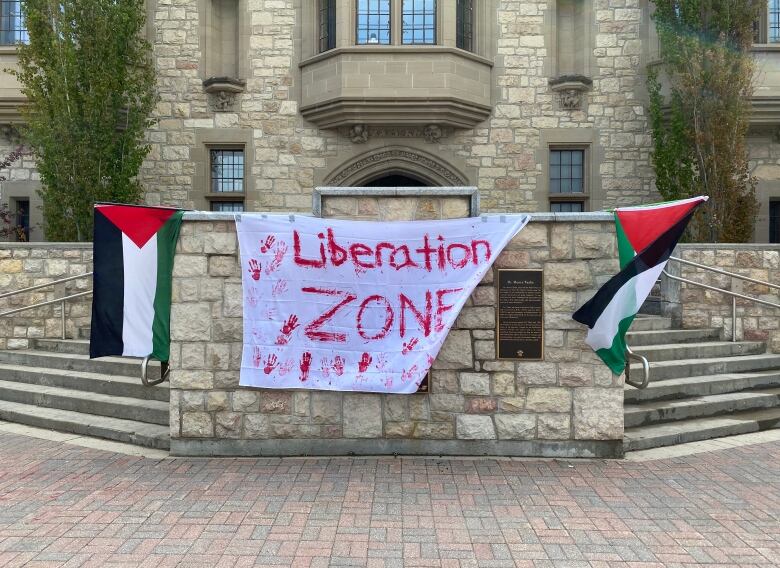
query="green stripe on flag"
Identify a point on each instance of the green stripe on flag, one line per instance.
(625, 251)
(615, 356)
(166, 248)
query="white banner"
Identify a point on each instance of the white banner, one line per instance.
(355, 305)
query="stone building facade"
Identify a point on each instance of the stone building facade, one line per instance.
(540, 104)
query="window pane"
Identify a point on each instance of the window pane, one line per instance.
(774, 21)
(227, 206)
(327, 24)
(373, 22)
(567, 206)
(419, 21)
(12, 27)
(465, 25)
(227, 171)
(569, 176)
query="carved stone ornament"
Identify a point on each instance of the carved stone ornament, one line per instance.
(400, 155)
(571, 90)
(224, 90)
(432, 133)
(358, 134)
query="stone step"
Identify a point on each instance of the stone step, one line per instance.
(126, 408)
(670, 352)
(99, 383)
(657, 412)
(696, 429)
(122, 366)
(650, 323)
(73, 346)
(664, 370)
(671, 336)
(701, 386)
(128, 431)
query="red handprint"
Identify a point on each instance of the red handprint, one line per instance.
(270, 364)
(305, 365)
(381, 361)
(254, 269)
(338, 365)
(408, 375)
(286, 367)
(325, 364)
(389, 381)
(281, 250)
(256, 357)
(251, 297)
(365, 361)
(269, 242)
(287, 329)
(408, 346)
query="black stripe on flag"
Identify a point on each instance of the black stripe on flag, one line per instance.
(108, 296)
(655, 254)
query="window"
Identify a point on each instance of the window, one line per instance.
(567, 180)
(327, 25)
(774, 221)
(22, 220)
(465, 25)
(226, 184)
(373, 22)
(12, 28)
(766, 29)
(227, 206)
(774, 21)
(419, 22)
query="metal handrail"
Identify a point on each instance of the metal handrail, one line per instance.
(60, 301)
(645, 369)
(734, 295)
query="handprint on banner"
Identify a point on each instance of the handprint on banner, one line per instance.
(280, 287)
(287, 329)
(279, 252)
(389, 381)
(364, 363)
(252, 298)
(286, 367)
(325, 364)
(338, 365)
(257, 357)
(409, 345)
(381, 361)
(304, 366)
(408, 375)
(269, 242)
(254, 269)
(270, 364)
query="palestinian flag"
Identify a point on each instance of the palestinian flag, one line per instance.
(646, 238)
(133, 265)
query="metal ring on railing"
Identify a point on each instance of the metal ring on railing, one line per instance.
(165, 371)
(645, 368)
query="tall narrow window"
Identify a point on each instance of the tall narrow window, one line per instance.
(465, 25)
(567, 180)
(12, 28)
(373, 22)
(227, 179)
(327, 25)
(774, 221)
(774, 21)
(419, 21)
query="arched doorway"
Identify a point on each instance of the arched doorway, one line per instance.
(395, 180)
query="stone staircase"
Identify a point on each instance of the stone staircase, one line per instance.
(55, 385)
(701, 386)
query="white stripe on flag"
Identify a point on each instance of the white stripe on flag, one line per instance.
(140, 286)
(625, 303)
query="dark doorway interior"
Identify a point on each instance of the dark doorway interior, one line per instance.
(395, 180)
(774, 221)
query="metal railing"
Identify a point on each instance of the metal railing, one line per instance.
(60, 301)
(734, 296)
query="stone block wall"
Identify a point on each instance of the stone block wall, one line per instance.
(28, 264)
(704, 308)
(567, 405)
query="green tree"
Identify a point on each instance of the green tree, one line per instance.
(700, 112)
(88, 75)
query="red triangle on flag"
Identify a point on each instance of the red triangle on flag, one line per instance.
(643, 225)
(138, 223)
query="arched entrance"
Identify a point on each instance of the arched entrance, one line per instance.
(395, 180)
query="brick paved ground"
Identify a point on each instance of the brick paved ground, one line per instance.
(65, 505)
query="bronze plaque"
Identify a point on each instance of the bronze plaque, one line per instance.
(520, 314)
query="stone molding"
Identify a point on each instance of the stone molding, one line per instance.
(472, 193)
(391, 159)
